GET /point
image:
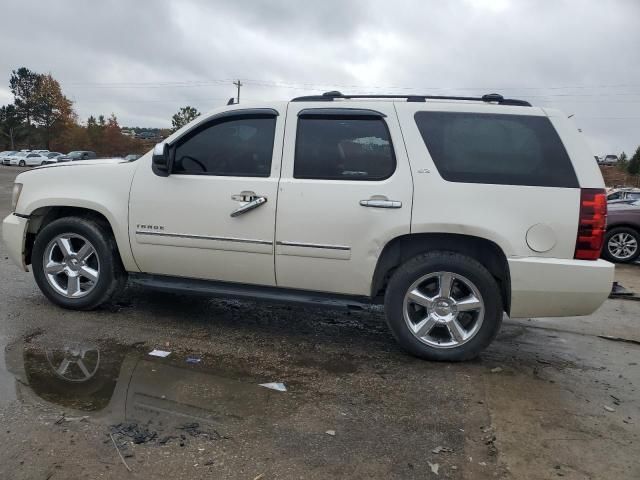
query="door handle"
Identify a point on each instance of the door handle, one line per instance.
(247, 207)
(381, 203)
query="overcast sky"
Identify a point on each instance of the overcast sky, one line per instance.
(142, 60)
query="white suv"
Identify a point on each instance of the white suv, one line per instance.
(448, 210)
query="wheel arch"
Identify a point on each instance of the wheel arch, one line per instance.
(404, 247)
(42, 216)
(624, 225)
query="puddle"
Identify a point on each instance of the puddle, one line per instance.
(126, 388)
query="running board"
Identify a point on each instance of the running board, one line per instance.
(238, 291)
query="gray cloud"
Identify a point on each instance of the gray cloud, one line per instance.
(142, 60)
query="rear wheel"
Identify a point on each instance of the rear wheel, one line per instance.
(443, 306)
(621, 245)
(76, 264)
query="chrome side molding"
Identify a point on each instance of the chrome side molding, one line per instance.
(205, 237)
(314, 245)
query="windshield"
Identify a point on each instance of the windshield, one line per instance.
(75, 154)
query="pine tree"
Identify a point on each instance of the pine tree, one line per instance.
(184, 116)
(634, 164)
(623, 160)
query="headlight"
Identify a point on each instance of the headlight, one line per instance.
(15, 195)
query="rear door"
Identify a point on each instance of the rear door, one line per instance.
(345, 191)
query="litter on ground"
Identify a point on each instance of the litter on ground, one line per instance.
(159, 353)
(275, 386)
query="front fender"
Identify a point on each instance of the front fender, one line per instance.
(102, 188)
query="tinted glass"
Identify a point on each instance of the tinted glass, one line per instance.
(240, 147)
(343, 148)
(496, 149)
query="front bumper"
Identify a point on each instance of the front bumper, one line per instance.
(554, 287)
(14, 231)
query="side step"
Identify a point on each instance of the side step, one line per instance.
(240, 291)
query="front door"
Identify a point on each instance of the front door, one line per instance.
(345, 191)
(213, 216)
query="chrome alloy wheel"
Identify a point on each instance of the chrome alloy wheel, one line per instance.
(443, 309)
(71, 265)
(622, 246)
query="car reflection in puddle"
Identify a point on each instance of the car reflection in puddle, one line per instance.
(137, 395)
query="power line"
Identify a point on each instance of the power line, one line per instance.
(304, 86)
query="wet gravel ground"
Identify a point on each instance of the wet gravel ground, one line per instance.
(549, 399)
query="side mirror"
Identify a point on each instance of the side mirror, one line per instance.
(160, 160)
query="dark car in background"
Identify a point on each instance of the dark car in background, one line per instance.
(622, 239)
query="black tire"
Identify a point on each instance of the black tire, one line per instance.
(112, 275)
(22, 163)
(608, 255)
(442, 261)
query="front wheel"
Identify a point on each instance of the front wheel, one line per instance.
(76, 263)
(621, 245)
(443, 306)
(22, 163)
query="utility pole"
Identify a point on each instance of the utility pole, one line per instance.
(238, 84)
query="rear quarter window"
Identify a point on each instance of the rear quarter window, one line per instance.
(496, 149)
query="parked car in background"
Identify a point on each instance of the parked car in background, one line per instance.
(28, 159)
(52, 157)
(6, 155)
(623, 232)
(147, 135)
(14, 160)
(131, 157)
(609, 160)
(620, 195)
(78, 155)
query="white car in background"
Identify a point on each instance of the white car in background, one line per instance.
(6, 156)
(28, 159)
(52, 157)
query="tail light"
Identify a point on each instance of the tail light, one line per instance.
(592, 223)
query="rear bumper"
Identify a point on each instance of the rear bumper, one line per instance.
(14, 230)
(552, 287)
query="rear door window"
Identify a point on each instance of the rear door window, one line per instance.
(341, 147)
(496, 149)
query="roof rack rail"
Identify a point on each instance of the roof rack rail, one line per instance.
(488, 98)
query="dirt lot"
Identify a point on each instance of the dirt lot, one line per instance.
(550, 398)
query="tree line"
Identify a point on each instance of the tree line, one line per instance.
(631, 166)
(42, 117)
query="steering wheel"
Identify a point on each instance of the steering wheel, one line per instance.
(194, 160)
